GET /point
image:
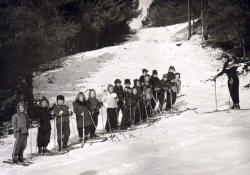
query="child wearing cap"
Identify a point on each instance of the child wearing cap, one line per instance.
(126, 118)
(156, 83)
(20, 124)
(62, 113)
(43, 114)
(119, 90)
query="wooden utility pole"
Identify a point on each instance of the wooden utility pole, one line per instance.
(189, 21)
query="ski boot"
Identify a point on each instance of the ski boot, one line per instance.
(14, 159)
(237, 106)
(20, 159)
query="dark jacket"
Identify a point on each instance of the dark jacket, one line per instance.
(155, 82)
(141, 79)
(93, 105)
(79, 108)
(119, 91)
(43, 116)
(20, 123)
(135, 100)
(65, 115)
(128, 99)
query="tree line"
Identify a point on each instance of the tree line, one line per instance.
(225, 23)
(35, 32)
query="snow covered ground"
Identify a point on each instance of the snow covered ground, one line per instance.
(190, 143)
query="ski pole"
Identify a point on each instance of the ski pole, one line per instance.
(61, 134)
(215, 93)
(92, 119)
(54, 132)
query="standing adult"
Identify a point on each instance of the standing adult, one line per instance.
(230, 69)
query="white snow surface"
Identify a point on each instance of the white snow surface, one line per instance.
(185, 144)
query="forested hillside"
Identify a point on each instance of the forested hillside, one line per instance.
(226, 22)
(36, 32)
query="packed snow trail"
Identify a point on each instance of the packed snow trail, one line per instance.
(216, 143)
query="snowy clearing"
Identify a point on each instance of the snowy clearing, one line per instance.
(190, 143)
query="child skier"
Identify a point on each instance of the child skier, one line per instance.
(163, 91)
(110, 100)
(43, 114)
(136, 114)
(119, 90)
(79, 108)
(155, 82)
(126, 119)
(20, 125)
(93, 106)
(61, 112)
(147, 97)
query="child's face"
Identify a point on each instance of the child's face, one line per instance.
(127, 85)
(60, 102)
(111, 89)
(81, 98)
(177, 76)
(144, 73)
(155, 75)
(147, 78)
(129, 90)
(92, 94)
(171, 70)
(44, 104)
(21, 108)
(165, 79)
(118, 84)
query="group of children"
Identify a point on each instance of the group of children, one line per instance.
(137, 104)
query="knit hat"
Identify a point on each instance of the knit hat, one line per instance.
(60, 97)
(144, 70)
(44, 99)
(154, 72)
(127, 81)
(117, 81)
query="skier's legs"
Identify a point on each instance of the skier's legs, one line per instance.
(80, 132)
(59, 134)
(66, 133)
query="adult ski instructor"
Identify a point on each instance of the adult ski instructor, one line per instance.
(230, 68)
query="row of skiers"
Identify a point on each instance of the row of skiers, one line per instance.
(137, 104)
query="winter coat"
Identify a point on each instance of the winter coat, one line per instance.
(141, 79)
(43, 116)
(135, 100)
(65, 115)
(20, 123)
(128, 99)
(79, 108)
(119, 91)
(93, 105)
(110, 100)
(155, 82)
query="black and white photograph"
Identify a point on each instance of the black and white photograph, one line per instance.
(124, 87)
